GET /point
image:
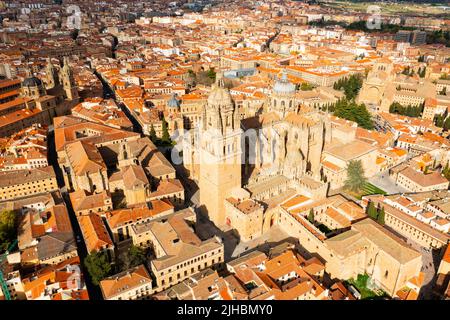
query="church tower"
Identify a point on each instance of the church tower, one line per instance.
(220, 153)
(51, 74)
(68, 81)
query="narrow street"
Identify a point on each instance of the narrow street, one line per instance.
(94, 291)
(108, 93)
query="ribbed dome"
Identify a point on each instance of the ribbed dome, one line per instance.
(173, 102)
(283, 86)
(32, 82)
(219, 96)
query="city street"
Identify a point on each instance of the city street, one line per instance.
(94, 291)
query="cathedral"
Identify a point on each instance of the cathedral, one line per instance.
(40, 101)
(262, 157)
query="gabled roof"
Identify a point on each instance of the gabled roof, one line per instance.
(84, 158)
(125, 281)
(55, 244)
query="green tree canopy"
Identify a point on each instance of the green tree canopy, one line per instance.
(371, 210)
(446, 171)
(350, 85)
(410, 111)
(137, 256)
(165, 132)
(447, 124)
(211, 74)
(311, 216)
(355, 176)
(153, 136)
(98, 266)
(381, 215)
(8, 229)
(354, 112)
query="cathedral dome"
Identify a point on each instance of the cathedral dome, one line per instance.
(283, 86)
(32, 82)
(219, 96)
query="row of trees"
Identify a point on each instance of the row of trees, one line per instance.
(422, 72)
(410, 111)
(8, 229)
(439, 36)
(442, 121)
(99, 266)
(350, 85)
(376, 214)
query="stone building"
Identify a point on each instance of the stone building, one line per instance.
(132, 284)
(22, 183)
(40, 102)
(179, 252)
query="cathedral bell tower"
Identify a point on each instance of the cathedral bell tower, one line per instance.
(52, 77)
(220, 153)
(68, 81)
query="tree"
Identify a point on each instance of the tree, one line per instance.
(133, 257)
(447, 124)
(381, 215)
(211, 74)
(8, 229)
(98, 266)
(410, 111)
(351, 111)
(165, 132)
(311, 216)
(153, 136)
(350, 85)
(439, 120)
(446, 171)
(422, 72)
(74, 34)
(137, 256)
(355, 176)
(371, 210)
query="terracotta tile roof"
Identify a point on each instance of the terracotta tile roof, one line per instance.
(95, 235)
(84, 158)
(118, 218)
(125, 281)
